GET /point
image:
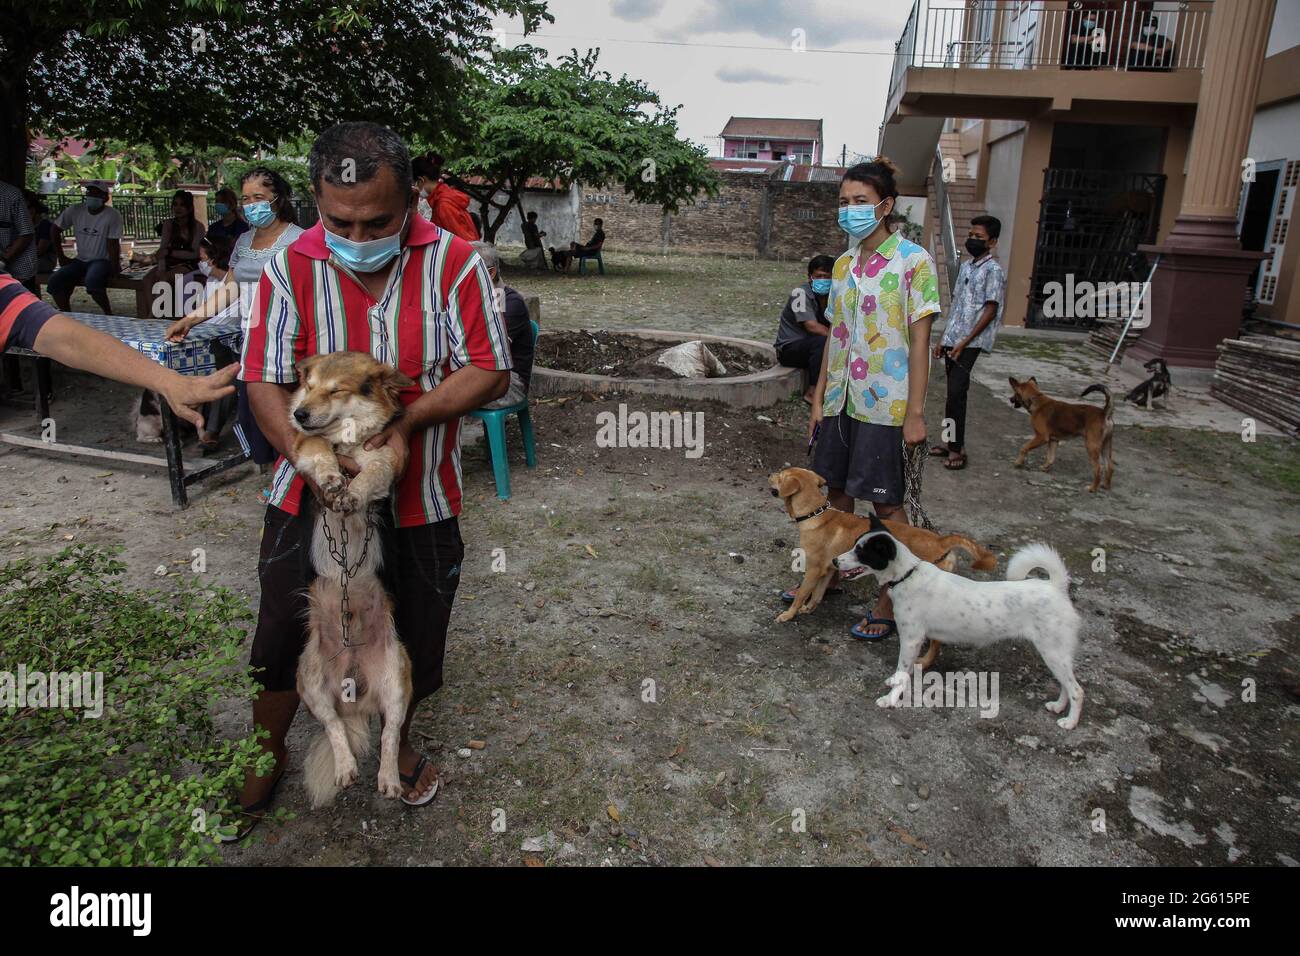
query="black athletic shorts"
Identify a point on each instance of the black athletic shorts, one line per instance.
(864, 460)
(421, 571)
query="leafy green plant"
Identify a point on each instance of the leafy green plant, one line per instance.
(148, 781)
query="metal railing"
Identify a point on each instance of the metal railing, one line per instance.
(1129, 35)
(947, 231)
(144, 213)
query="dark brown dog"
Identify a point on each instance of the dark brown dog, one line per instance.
(1054, 420)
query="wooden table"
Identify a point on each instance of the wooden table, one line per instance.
(194, 356)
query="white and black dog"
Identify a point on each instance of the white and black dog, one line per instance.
(931, 602)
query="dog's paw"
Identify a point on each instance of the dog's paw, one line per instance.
(1055, 706)
(1068, 723)
(389, 784)
(1018, 463)
(786, 616)
(1044, 467)
(808, 608)
(896, 679)
(346, 774)
(347, 502)
(330, 488)
(893, 699)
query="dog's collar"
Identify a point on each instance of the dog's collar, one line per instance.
(893, 584)
(826, 506)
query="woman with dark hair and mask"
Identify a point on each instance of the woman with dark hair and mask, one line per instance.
(268, 209)
(869, 401)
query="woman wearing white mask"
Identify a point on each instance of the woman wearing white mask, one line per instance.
(267, 206)
(869, 401)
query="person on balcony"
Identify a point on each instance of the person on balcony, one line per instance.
(1086, 43)
(973, 319)
(802, 332)
(1151, 51)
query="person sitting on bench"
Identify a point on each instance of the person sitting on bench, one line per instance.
(801, 335)
(534, 257)
(519, 329)
(97, 229)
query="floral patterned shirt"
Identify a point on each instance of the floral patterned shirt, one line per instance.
(872, 306)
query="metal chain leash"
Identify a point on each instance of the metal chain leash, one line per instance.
(914, 457)
(339, 552)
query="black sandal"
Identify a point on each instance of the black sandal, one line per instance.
(257, 810)
(409, 780)
(956, 464)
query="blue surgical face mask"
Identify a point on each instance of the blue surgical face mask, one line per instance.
(259, 214)
(821, 286)
(859, 221)
(369, 256)
(222, 209)
(94, 203)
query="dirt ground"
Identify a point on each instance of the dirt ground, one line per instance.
(758, 742)
(626, 356)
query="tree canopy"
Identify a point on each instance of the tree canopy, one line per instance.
(241, 74)
(524, 117)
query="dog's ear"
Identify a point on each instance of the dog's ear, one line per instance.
(392, 381)
(877, 551)
(786, 483)
(1014, 383)
(305, 365)
(1033, 379)
(875, 523)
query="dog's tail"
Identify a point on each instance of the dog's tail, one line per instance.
(1039, 556)
(319, 767)
(1109, 408)
(982, 559)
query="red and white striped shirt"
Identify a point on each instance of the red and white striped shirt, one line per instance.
(437, 315)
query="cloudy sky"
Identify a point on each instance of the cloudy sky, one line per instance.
(723, 58)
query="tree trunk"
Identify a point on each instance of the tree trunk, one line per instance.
(13, 118)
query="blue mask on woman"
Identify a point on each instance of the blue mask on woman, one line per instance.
(821, 286)
(259, 214)
(222, 209)
(859, 221)
(369, 256)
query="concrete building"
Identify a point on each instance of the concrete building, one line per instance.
(1105, 134)
(798, 141)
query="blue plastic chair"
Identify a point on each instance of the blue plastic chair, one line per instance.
(494, 424)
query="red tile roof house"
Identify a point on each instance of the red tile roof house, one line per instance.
(795, 140)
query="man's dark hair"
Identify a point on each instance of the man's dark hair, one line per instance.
(532, 215)
(992, 225)
(599, 222)
(368, 146)
(820, 262)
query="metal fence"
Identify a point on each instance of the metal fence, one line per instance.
(1089, 228)
(1130, 35)
(144, 213)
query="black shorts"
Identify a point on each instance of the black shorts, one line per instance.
(421, 571)
(863, 460)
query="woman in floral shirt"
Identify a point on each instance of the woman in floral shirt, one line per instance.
(870, 396)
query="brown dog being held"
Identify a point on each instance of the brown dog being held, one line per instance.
(1054, 420)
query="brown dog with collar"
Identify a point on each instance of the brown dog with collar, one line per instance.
(825, 533)
(1054, 420)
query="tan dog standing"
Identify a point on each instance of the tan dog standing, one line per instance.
(343, 399)
(825, 533)
(1054, 420)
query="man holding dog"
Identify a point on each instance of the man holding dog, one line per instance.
(372, 275)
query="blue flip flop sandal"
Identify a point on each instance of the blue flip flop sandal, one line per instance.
(255, 811)
(857, 631)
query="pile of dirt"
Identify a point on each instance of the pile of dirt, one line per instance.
(629, 356)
